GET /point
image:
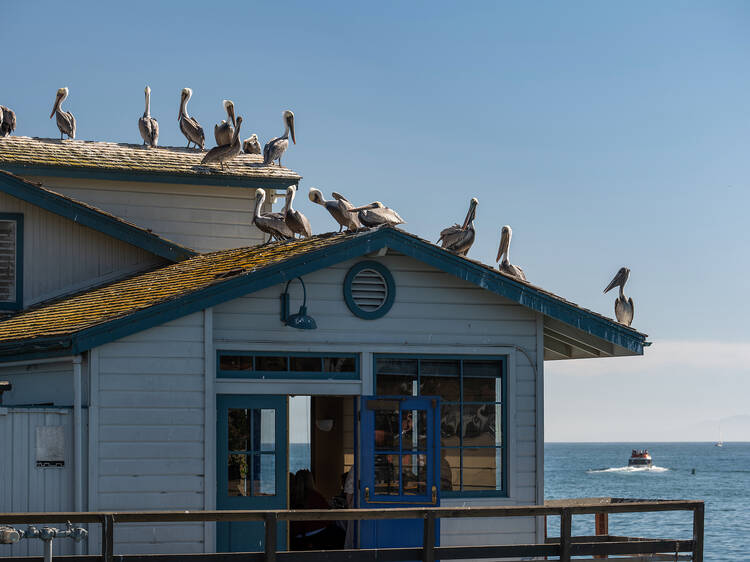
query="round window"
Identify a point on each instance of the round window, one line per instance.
(369, 290)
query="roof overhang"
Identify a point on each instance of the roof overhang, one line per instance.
(570, 330)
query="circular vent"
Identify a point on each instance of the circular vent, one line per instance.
(369, 290)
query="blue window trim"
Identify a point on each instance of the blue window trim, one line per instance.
(18, 303)
(287, 375)
(505, 418)
(389, 282)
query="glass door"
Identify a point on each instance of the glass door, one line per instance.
(251, 447)
(400, 462)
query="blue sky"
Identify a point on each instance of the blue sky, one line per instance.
(605, 134)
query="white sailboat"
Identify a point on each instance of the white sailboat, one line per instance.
(720, 442)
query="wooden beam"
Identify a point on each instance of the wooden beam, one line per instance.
(586, 349)
(606, 348)
(558, 347)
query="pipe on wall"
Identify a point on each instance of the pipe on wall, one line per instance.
(77, 440)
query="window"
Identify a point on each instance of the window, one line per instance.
(472, 418)
(251, 466)
(270, 365)
(11, 255)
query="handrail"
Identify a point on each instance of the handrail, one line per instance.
(565, 546)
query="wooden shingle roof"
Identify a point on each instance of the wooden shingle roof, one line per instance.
(79, 322)
(37, 156)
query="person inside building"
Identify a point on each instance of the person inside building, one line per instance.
(313, 535)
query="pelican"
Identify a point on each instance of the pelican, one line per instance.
(503, 255)
(275, 148)
(458, 239)
(147, 125)
(339, 209)
(271, 224)
(189, 126)
(7, 121)
(251, 145)
(623, 307)
(65, 120)
(376, 214)
(296, 221)
(224, 132)
(225, 152)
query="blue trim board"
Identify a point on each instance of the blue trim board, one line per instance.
(350, 247)
(18, 303)
(91, 218)
(155, 177)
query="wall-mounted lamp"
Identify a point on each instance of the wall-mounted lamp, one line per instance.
(301, 320)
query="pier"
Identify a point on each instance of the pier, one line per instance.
(564, 547)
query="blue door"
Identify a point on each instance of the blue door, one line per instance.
(251, 448)
(399, 468)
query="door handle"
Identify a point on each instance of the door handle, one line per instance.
(434, 495)
(367, 494)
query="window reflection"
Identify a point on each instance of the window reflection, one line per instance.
(481, 469)
(482, 390)
(414, 474)
(386, 475)
(239, 430)
(339, 365)
(396, 385)
(270, 363)
(238, 475)
(445, 387)
(387, 430)
(396, 366)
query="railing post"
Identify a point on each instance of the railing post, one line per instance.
(565, 529)
(428, 539)
(270, 524)
(698, 515)
(601, 527)
(108, 537)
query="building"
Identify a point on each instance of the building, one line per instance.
(151, 360)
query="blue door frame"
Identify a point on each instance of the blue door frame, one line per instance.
(251, 466)
(400, 462)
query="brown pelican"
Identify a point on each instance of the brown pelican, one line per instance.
(503, 255)
(339, 209)
(190, 128)
(296, 221)
(225, 152)
(7, 121)
(147, 125)
(251, 145)
(623, 307)
(275, 148)
(65, 120)
(376, 214)
(272, 224)
(458, 239)
(224, 132)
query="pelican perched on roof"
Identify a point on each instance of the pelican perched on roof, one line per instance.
(7, 121)
(251, 145)
(276, 147)
(296, 221)
(339, 209)
(65, 120)
(147, 125)
(458, 239)
(376, 214)
(623, 307)
(272, 224)
(188, 125)
(503, 255)
(225, 152)
(224, 131)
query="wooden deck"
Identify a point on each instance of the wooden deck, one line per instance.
(563, 548)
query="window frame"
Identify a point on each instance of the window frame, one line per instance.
(288, 374)
(504, 361)
(18, 303)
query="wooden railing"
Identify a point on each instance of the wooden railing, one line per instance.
(563, 547)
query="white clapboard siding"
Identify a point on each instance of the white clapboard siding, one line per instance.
(205, 218)
(26, 487)
(150, 433)
(61, 256)
(45, 383)
(432, 310)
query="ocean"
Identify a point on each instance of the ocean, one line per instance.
(581, 470)
(721, 479)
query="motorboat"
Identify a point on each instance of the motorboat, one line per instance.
(640, 458)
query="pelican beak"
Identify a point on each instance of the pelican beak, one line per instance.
(503, 246)
(231, 115)
(182, 101)
(291, 129)
(363, 207)
(58, 99)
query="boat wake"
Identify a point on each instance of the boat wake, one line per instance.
(628, 469)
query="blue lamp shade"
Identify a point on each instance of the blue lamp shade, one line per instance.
(301, 320)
